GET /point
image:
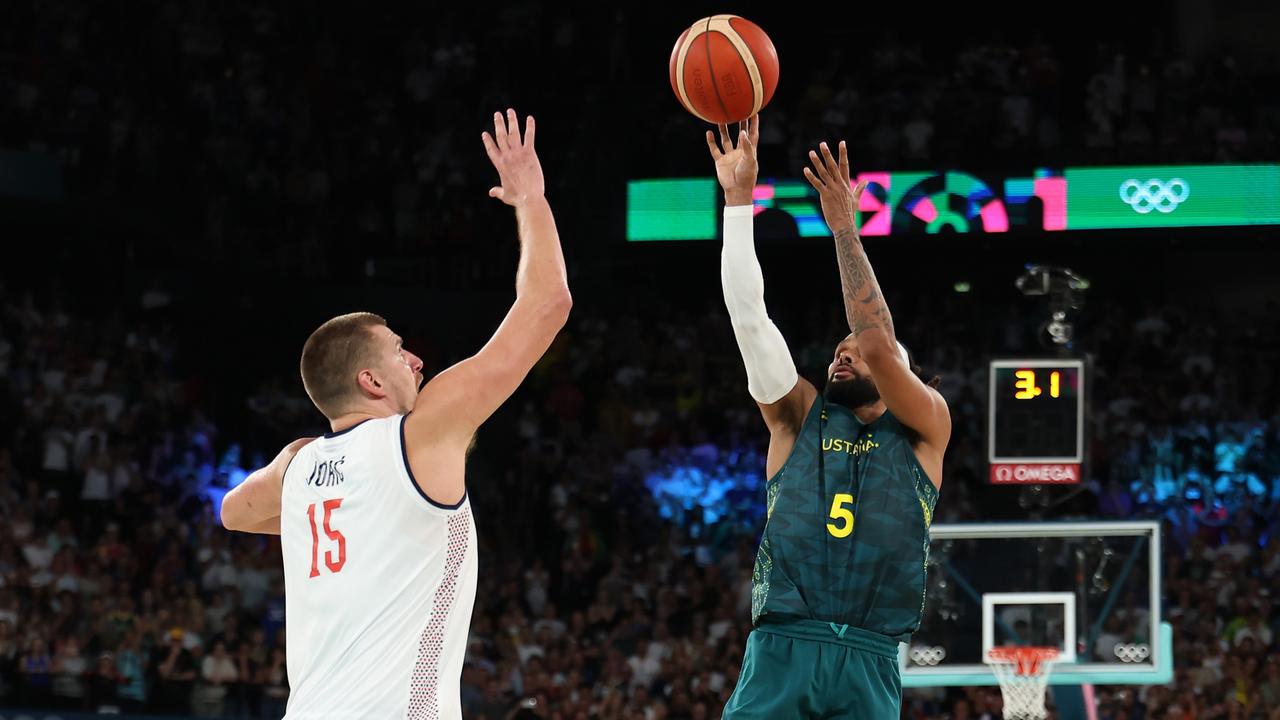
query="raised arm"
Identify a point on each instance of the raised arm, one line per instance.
(784, 397)
(253, 506)
(917, 405)
(455, 403)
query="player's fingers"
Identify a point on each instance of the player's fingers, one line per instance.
(500, 138)
(857, 194)
(833, 168)
(753, 128)
(528, 131)
(844, 162)
(725, 141)
(513, 127)
(716, 154)
(813, 180)
(495, 192)
(490, 148)
(819, 167)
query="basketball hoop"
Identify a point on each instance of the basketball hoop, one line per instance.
(1023, 673)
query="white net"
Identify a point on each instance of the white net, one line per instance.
(1024, 676)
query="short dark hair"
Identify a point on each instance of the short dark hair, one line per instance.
(331, 357)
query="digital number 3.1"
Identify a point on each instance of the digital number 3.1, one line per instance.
(334, 566)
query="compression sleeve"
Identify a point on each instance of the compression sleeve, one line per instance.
(771, 372)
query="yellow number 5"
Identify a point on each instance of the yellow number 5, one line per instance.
(840, 512)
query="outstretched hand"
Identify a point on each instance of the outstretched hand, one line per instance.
(830, 177)
(519, 171)
(736, 167)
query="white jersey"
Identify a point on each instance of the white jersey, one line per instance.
(379, 581)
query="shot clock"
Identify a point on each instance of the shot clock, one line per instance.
(1036, 417)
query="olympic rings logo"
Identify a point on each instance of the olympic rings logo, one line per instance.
(1134, 653)
(1154, 194)
(925, 655)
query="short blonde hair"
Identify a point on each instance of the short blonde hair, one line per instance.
(332, 356)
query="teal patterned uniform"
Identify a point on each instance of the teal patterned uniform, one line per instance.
(839, 577)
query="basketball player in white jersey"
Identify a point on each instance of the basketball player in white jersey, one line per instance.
(375, 527)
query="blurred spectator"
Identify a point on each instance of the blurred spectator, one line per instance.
(36, 669)
(69, 667)
(103, 684)
(131, 674)
(176, 670)
(218, 673)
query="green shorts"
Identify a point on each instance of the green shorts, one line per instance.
(812, 669)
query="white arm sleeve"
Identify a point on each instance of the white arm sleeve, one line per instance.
(771, 373)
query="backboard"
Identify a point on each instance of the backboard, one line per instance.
(1089, 589)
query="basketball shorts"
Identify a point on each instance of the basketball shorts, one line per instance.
(812, 669)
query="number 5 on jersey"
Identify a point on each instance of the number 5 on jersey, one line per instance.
(842, 514)
(334, 566)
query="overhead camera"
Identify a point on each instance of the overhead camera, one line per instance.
(1064, 291)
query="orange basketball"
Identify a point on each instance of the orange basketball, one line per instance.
(724, 69)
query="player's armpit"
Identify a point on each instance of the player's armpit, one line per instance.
(915, 404)
(788, 413)
(784, 419)
(452, 406)
(254, 503)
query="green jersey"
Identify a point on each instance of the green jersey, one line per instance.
(847, 535)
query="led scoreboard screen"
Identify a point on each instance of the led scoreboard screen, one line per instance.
(1036, 421)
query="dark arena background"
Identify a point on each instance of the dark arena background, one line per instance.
(1075, 216)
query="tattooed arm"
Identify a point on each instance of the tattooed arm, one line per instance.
(864, 305)
(917, 405)
(868, 315)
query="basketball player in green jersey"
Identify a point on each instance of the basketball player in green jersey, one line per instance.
(853, 471)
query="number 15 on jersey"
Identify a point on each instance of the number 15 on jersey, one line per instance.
(334, 564)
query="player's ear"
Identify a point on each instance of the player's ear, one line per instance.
(371, 384)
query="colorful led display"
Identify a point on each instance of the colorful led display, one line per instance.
(902, 203)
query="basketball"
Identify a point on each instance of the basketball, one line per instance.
(724, 69)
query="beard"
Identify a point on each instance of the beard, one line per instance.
(855, 393)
